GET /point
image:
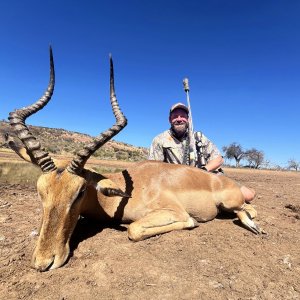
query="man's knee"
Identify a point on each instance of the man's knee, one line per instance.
(249, 194)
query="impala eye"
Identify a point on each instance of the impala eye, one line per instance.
(81, 193)
(78, 198)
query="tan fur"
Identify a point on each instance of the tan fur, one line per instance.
(161, 198)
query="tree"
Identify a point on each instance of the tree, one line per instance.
(254, 157)
(293, 164)
(235, 151)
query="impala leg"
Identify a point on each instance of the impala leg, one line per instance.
(250, 210)
(246, 214)
(233, 201)
(158, 222)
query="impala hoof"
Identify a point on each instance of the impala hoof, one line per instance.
(245, 218)
(192, 223)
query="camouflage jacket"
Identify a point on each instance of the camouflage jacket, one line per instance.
(165, 147)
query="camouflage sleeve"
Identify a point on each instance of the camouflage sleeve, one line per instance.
(211, 149)
(156, 150)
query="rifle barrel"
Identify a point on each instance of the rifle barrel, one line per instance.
(191, 129)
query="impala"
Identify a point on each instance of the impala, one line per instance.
(154, 197)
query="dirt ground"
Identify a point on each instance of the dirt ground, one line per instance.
(218, 260)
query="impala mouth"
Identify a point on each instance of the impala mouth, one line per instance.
(43, 267)
(58, 261)
(51, 263)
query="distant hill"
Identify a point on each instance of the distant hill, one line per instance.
(64, 142)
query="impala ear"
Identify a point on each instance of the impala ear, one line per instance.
(21, 151)
(108, 188)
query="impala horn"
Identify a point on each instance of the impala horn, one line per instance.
(17, 121)
(81, 157)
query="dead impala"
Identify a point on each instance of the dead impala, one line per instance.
(154, 197)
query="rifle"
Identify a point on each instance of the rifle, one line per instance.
(193, 140)
(192, 154)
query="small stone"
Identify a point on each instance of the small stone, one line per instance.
(34, 233)
(216, 285)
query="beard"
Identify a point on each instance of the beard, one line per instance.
(179, 129)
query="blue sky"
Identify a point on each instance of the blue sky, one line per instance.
(242, 59)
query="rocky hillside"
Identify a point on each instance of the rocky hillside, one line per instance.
(64, 142)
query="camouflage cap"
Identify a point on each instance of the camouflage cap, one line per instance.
(179, 105)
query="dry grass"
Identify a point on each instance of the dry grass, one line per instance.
(105, 170)
(18, 173)
(25, 173)
(8, 150)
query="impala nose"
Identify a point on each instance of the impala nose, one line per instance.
(42, 265)
(42, 261)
